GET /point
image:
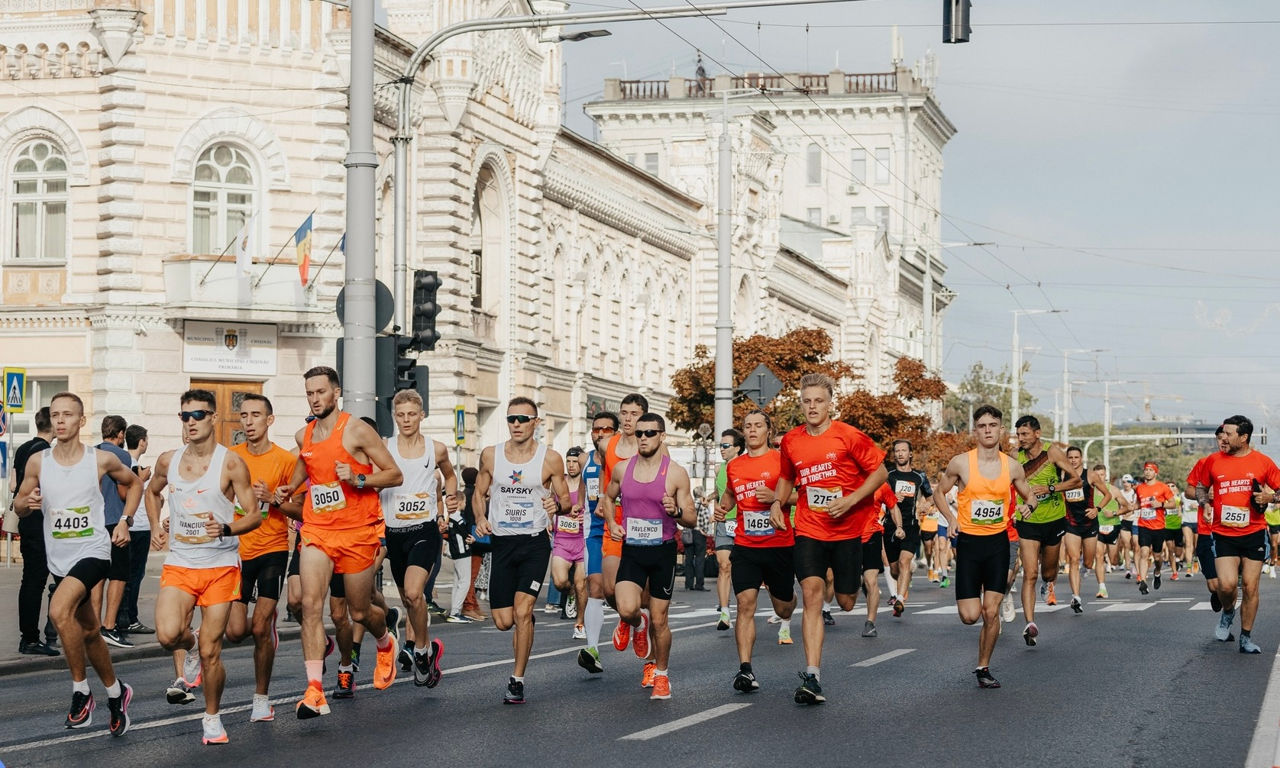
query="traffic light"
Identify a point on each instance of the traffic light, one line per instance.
(405, 366)
(425, 308)
(955, 21)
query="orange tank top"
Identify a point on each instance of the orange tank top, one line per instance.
(983, 506)
(612, 460)
(332, 503)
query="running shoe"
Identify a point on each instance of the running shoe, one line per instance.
(384, 674)
(946, 582)
(346, 687)
(355, 656)
(661, 688)
(138, 628)
(426, 666)
(457, 618)
(1273, 572)
(515, 692)
(1044, 588)
(262, 712)
(191, 664)
(1007, 611)
(745, 681)
(329, 645)
(621, 636)
(36, 648)
(828, 619)
(119, 707)
(393, 621)
(775, 619)
(1102, 592)
(1247, 645)
(115, 638)
(724, 620)
(406, 656)
(589, 659)
(214, 733)
(933, 576)
(571, 607)
(1049, 597)
(579, 632)
(1030, 633)
(1174, 576)
(869, 629)
(1223, 631)
(898, 606)
(1076, 605)
(784, 634)
(81, 714)
(647, 675)
(179, 693)
(1156, 581)
(1128, 574)
(809, 692)
(640, 638)
(985, 680)
(1215, 602)
(435, 608)
(313, 703)
(1142, 586)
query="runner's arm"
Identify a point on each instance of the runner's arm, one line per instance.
(480, 498)
(606, 506)
(723, 505)
(242, 487)
(1019, 479)
(452, 499)
(1072, 480)
(27, 497)
(127, 482)
(687, 512)
(553, 466)
(949, 479)
(386, 473)
(154, 498)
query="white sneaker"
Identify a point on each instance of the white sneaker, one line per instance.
(775, 619)
(214, 733)
(263, 712)
(191, 664)
(579, 633)
(1006, 608)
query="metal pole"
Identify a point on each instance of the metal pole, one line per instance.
(724, 276)
(1066, 400)
(360, 360)
(399, 264)
(1017, 375)
(1106, 425)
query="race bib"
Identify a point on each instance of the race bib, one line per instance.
(71, 523)
(1148, 513)
(264, 508)
(416, 507)
(567, 524)
(756, 524)
(1106, 529)
(986, 512)
(593, 488)
(327, 498)
(188, 527)
(1075, 494)
(643, 532)
(904, 489)
(517, 515)
(821, 498)
(731, 527)
(1235, 517)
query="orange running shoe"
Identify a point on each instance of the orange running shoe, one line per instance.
(313, 703)
(661, 687)
(385, 673)
(1049, 597)
(621, 636)
(646, 680)
(640, 643)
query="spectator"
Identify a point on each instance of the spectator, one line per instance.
(695, 548)
(113, 429)
(459, 544)
(128, 621)
(35, 569)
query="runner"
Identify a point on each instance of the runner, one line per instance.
(520, 483)
(1082, 523)
(603, 427)
(1129, 517)
(1109, 512)
(942, 553)
(762, 554)
(655, 496)
(928, 534)
(1049, 474)
(909, 486)
(414, 526)
(205, 482)
(264, 551)
(568, 548)
(836, 469)
(1173, 534)
(1200, 484)
(873, 553)
(344, 464)
(1273, 533)
(1154, 497)
(62, 483)
(984, 506)
(732, 445)
(1238, 478)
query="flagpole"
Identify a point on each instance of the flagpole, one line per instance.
(315, 277)
(215, 261)
(272, 263)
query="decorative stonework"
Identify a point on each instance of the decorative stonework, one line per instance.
(29, 122)
(235, 124)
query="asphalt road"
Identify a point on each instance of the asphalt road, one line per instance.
(1133, 681)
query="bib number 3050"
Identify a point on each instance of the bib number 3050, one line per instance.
(327, 498)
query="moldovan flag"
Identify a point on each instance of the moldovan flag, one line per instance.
(302, 243)
(245, 246)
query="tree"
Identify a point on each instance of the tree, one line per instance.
(984, 386)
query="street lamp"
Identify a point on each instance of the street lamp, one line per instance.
(1017, 360)
(1062, 428)
(928, 299)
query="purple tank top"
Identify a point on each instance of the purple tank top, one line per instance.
(644, 520)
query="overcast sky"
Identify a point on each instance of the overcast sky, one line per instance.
(1122, 157)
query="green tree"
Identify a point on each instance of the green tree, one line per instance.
(984, 386)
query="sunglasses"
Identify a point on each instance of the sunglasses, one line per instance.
(603, 430)
(519, 418)
(199, 415)
(726, 446)
(648, 432)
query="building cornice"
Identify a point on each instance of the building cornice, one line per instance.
(574, 191)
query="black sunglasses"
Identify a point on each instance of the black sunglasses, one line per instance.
(726, 446)
(519, 418)
(648, 432)
(199, 415)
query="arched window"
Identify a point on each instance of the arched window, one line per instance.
(222, 197)
(39, 181)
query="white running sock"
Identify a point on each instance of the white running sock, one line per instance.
(114, 690)
(80, 686)
(593, 620)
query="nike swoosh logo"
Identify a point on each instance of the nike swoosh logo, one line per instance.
(201, 490)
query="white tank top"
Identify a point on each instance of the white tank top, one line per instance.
(192, 503)
(75, 527)
(413, 502)
(515, 498)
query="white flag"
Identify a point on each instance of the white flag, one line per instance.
(245, 246)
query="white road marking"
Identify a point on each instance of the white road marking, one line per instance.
(1264, 749)
(1125, 607)
(1205, 606)
(948, 609)
(1175, 600)
(883, 657)
(684, 722)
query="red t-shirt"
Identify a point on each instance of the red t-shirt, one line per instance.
(1151, 498)
(885, 500)
(1196, 477)
(1232, 479)
(745, 474)
(826, 467)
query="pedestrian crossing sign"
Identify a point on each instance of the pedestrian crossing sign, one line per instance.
(15, 389)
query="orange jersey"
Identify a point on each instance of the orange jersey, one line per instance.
(985, 505)
(611, 460)
(1151, 499)
(1198, 476)
(824, 468)
(1234, 480)
(745, 474)
(275, 468)
(331, 503)
(885, 500)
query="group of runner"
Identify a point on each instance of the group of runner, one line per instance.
(823, 509)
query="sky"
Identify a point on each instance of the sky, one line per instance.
(1121, 159)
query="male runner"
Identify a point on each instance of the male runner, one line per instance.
(111, 594)
(873, 553)
(520, 483)
(1154, 497)
(414, 526)
(62, 483)
(206, 482)
(1172, 535)
(1082, 523)
(343, 464)
(264, 551)
(1049, 474)
(1128, 519)
(655, 496)
(983, 509)
(1108, 529)
(909, 485)
(1239, 477)
(568, 548)
(762, 554)
(603, 426)
(732, 444)
(836, 469)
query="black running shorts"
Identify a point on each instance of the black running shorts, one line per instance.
(772, 566)
(872, 549)
(519, 565)
(1151, 537)
(894, 547)
(119, 570)
(844, 557)
(263, 576)
(1251, 546)
(417, 545)
(1205, 554)
(1087, 531)
(90, 572)
(982, 563)
(654, 567)
(1108, 537)
(1048, 534)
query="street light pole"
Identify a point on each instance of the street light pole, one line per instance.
(1064, 429)
(358, 327)
(724, 276)
(1016, 395)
